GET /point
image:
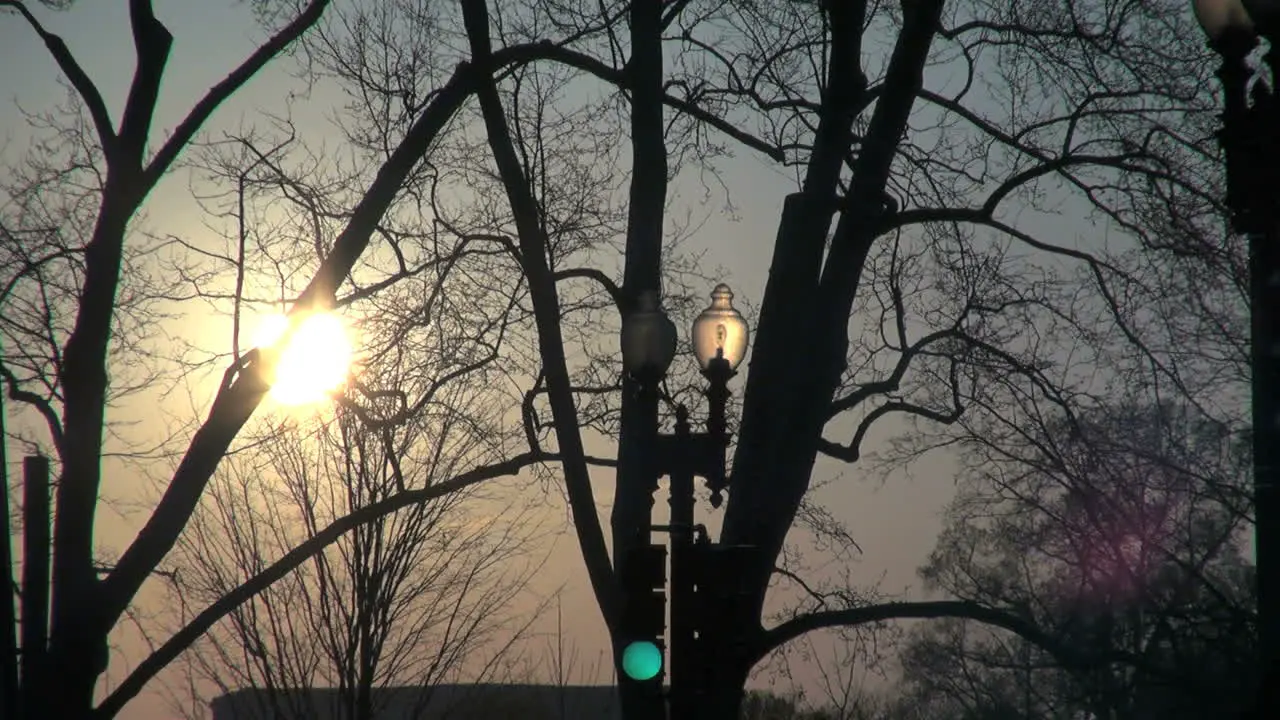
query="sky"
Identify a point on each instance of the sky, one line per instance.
(895, 523)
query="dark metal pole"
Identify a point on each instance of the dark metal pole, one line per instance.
(1250, 139)
(683, 662)
(718, 373)
(647, 447)
(8, 616)
(690, 455)
(1264, 267)
(35, 579)
(638, 457)
(1264, 280)
(1262, 226)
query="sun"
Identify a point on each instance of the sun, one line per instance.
(315, 361)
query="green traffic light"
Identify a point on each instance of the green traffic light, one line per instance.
(641, 660)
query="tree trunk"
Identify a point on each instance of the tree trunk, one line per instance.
(67, 692)
(76, 659)
(726, 680)
(723, 700)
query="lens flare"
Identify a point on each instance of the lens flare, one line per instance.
(315, 361)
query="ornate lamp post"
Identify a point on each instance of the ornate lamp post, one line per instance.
(719, 338)
(720, 343)
(1250, 140)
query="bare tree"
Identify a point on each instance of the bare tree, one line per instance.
(412, 599)
(939, 148)
(1109, 533)
(75, 302)
(914, 259)
(845, 667)
(558, 663)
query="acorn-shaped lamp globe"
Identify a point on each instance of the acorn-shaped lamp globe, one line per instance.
(720, 332)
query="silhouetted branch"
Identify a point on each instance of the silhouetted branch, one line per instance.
(182, 639)
(224, 89)
(41, 406)
(1069, 656)
(75, 74)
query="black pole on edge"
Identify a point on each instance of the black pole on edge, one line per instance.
(682, 653)
(1264, 290)
(1250, 139)
(643, 452)
(1264, 266)
(8, 614)
(35, 579)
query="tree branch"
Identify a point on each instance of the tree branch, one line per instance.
(151, 44)
(41, 405)
(542, 291)
(598, 276)
(852, 451)
(794, 628)
(158, 660)
(623, 80)
(225, 419)
(673, 12)
(891, 383)
(791, 316)
(979, 216)
(228, 86)
(75, 74)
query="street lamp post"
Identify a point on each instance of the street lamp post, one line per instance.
(719, 338)
(1250, 140)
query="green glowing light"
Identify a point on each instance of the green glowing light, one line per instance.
(641, 660)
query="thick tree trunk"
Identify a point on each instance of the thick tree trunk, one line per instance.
(67, 689)
(74, 675)
(801, 347)
(726, 675)
(723, 700)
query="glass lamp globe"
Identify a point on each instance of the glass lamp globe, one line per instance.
(720, 331)
(1219, 16)
(648, 338)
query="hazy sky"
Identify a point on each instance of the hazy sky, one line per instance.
(895, 524)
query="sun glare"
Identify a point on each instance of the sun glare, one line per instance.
(314, 363)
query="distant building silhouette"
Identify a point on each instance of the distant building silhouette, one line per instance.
(442, 702)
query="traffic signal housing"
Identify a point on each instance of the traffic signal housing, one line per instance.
(721, 607)
(643, 578)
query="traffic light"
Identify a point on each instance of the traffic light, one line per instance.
(643, 577)
(642, 660)
(720, 593)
